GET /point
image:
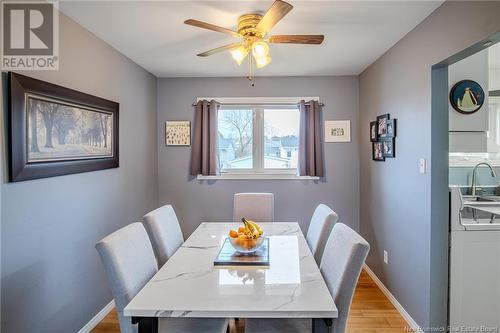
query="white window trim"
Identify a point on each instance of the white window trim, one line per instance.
(258, 171)
(256, 176)
(257, 147)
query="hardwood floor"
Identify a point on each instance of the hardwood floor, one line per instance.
(371, 312)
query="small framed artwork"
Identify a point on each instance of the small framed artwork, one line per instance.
(56, 131)
(382, 125)
(467, 96)
(388, 147)
(377, 152)
(178, 133)
(374, 131)
(338, 131)
(391, 128)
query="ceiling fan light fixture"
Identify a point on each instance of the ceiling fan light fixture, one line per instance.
(254, 34)
(260, 49)
(239, 54)
(262, 61)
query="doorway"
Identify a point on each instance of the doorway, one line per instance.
(440, 177)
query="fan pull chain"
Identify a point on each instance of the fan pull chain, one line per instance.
(250, 71)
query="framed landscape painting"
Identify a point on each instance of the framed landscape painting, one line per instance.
(56, 131)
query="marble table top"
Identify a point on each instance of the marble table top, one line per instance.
(189, 285)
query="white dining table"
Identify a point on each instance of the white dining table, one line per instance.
(189, 285)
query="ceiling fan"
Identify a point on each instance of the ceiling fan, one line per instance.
(253, 30)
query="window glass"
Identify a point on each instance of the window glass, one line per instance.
(281, 138)
(235, 131)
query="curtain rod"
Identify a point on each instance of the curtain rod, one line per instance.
(245, 104)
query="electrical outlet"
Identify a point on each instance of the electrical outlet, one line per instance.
(386, 257)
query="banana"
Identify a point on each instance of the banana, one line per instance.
(250, 231)
(257, 227)
(247, 231)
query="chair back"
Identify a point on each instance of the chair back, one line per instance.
(258, 207)
(319, 230)
(129, 263)
(343, 258)
(164, 231)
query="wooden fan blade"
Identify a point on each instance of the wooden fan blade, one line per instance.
(296, 39)
(219, 49)
(277, 11)
(208, 26)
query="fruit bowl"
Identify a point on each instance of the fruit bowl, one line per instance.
(248, 238)
(246, 245)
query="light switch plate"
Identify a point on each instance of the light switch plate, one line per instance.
(422, 166)
(386, 257)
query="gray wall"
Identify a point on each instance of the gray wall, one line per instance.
(198, 201)
(395, 199)
(52, 278)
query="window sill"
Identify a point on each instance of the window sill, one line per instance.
(234, 176)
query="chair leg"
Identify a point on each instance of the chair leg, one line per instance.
(321, 325)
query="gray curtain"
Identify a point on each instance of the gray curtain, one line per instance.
(204, 149)
(310, 150)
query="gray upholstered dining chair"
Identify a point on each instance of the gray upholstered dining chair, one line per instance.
(130, 263)
(343, 258)
(319, 230)
(258, 207)
(164, 231)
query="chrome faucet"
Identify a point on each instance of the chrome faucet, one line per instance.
(473, 184)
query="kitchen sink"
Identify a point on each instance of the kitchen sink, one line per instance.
(481, 208)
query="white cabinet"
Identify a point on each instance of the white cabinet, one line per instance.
(475, 279)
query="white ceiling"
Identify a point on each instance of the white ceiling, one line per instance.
(153, 35)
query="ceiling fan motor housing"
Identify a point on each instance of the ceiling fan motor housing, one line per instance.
(247, 24)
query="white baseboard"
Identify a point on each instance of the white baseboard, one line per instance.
(406, 316)
(97, 318)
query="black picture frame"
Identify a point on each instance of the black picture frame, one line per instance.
(391, 128)
(382, 125)
(389, 147)
(20, 88)
(374, 131)
(377, 154)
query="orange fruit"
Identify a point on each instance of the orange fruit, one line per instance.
(241, 229)
(233, 234)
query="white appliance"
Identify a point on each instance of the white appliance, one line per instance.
(474, 295)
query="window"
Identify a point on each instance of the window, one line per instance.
(258, 139)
